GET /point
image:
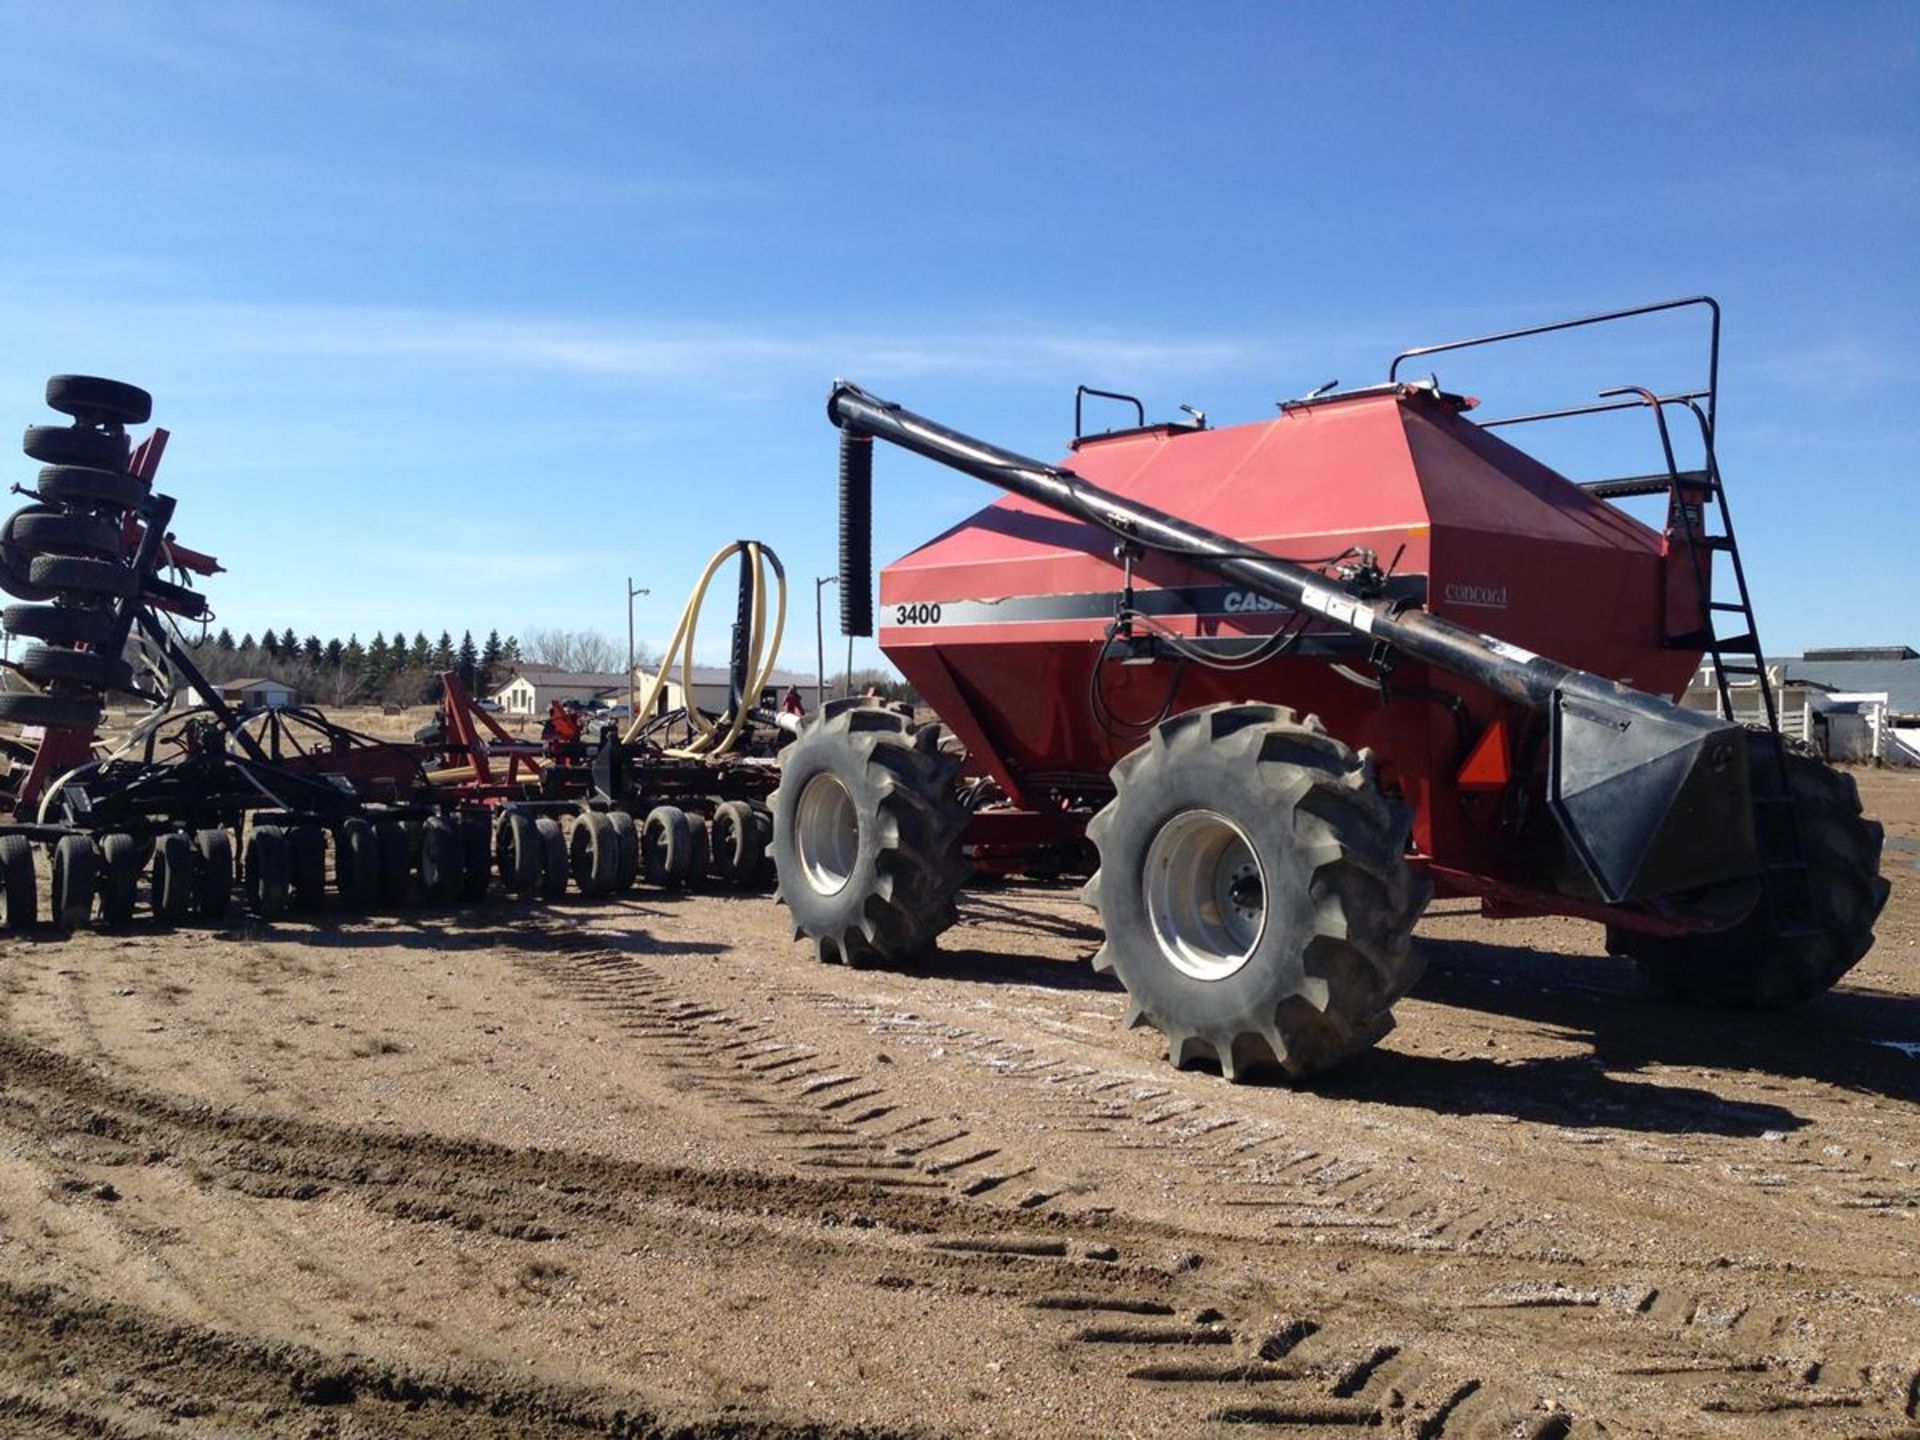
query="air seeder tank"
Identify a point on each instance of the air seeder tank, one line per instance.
(1290, 678)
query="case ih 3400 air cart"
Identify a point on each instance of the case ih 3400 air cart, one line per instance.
(1293, 677)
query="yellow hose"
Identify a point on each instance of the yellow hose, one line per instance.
(709, 739)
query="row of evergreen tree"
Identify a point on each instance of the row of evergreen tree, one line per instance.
(382, 670)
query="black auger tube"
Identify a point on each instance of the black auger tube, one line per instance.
(856, 533)
(1684, 813)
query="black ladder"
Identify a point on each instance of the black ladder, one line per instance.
(1691, 492)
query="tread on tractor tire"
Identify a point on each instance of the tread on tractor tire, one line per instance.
(61, 624)
(77, 445)
(476, 851)
(39, 532)
(666, 846)
(55, 712)
(91, 488)
(44, 663)
(1255, 893)
(75, 875)
(443, 860)
(552, 843)
(517, 852)
(866, 833)
(120, 864)
(356, 865)
(626, 868)
(268, 871)
(1757, 964)
(213, 874)
(306, 868)
(90, 398)
(738, 844)
(593, 854)
(174, 881)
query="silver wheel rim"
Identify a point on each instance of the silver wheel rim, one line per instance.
(1206, 894)
(826, 832)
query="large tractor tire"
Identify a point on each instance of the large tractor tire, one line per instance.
(1766, 962)
(866, 833)
(1255, 892)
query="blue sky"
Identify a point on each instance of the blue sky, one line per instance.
(461, 314)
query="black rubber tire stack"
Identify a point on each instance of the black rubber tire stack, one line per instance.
(897, 861)
(1336, 902)
(1773, 960)
(62, 555)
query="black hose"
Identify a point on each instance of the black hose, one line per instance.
(856, 533)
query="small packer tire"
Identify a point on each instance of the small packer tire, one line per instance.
(174, 881)
(738, 847)
(213, 874)
(92, 488)
(121, 861)
(517, 851)
(41, 533)
(443, 860)
(356, 864)
(307, 868)
(396, 863)
(268, 871)
(75, 872)
(89, 398)
(666, 846)
(54, 712)
(44, 664)
(61, 624)
(22, 888)
(82, 576)
(553, 858)
(476, 847)
(76, 445)
(626, 867)
(593, 854)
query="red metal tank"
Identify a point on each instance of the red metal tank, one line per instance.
(999, 622)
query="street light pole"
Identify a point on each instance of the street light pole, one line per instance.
(633, 697)
(820, 641)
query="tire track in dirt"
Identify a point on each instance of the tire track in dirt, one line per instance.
(845, 1120)
(89, 1368)
(1316, 1197)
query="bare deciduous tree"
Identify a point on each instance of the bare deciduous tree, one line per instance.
(580, 651)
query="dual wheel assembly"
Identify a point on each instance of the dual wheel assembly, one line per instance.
(604, 853)
(1253, 882)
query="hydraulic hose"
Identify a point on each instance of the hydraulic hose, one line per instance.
(710, 737)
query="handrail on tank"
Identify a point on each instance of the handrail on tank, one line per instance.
(1710, 394)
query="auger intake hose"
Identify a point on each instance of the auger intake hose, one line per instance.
(713, 738)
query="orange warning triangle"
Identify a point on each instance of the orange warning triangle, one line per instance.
(1486, 767)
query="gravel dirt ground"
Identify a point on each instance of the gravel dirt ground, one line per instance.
(646, 1167)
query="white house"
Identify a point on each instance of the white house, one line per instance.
(710, 688)
(535, 687)
(256, 693)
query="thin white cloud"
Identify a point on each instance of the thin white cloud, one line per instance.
(635, 349)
